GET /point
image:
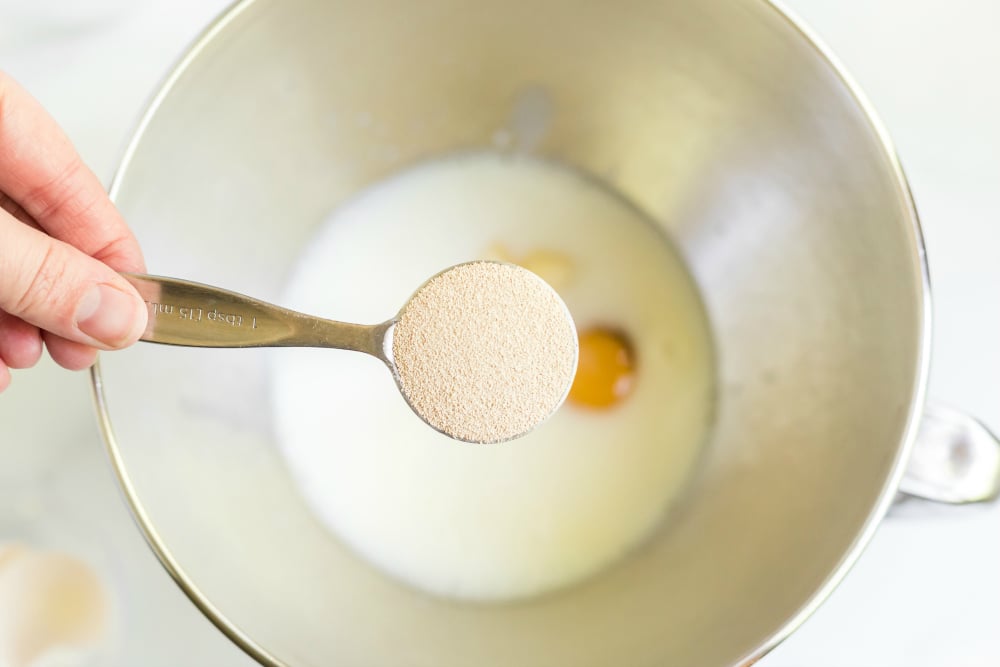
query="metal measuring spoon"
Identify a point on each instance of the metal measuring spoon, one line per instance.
(482, 352)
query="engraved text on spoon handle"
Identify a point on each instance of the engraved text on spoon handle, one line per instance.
(196, 315)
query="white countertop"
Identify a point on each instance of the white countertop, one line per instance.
(926, 592)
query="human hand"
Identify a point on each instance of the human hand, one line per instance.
(62, 243)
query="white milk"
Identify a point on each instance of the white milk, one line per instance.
(492, 522)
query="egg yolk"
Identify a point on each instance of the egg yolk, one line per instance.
(605, 374)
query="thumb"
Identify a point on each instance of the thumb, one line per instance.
(51, 284)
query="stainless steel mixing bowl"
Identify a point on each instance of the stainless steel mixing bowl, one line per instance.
(722, 120)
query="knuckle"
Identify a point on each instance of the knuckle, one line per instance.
(117, 252)
(8, 204)
(62, 195)
(41, 292)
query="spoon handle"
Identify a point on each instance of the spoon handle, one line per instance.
(196, 315)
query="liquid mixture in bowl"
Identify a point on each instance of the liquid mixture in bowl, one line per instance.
(496, 522)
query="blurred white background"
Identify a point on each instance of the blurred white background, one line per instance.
(927, 591)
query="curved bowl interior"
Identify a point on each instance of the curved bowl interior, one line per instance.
(720, 120)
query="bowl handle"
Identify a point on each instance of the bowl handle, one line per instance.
(955, 459)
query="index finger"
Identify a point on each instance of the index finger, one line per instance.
(43, 173)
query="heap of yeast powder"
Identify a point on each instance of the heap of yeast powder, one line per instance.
(484, 351)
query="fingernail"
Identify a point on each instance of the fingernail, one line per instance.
(109, 315)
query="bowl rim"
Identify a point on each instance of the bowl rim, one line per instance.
(889, 488)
